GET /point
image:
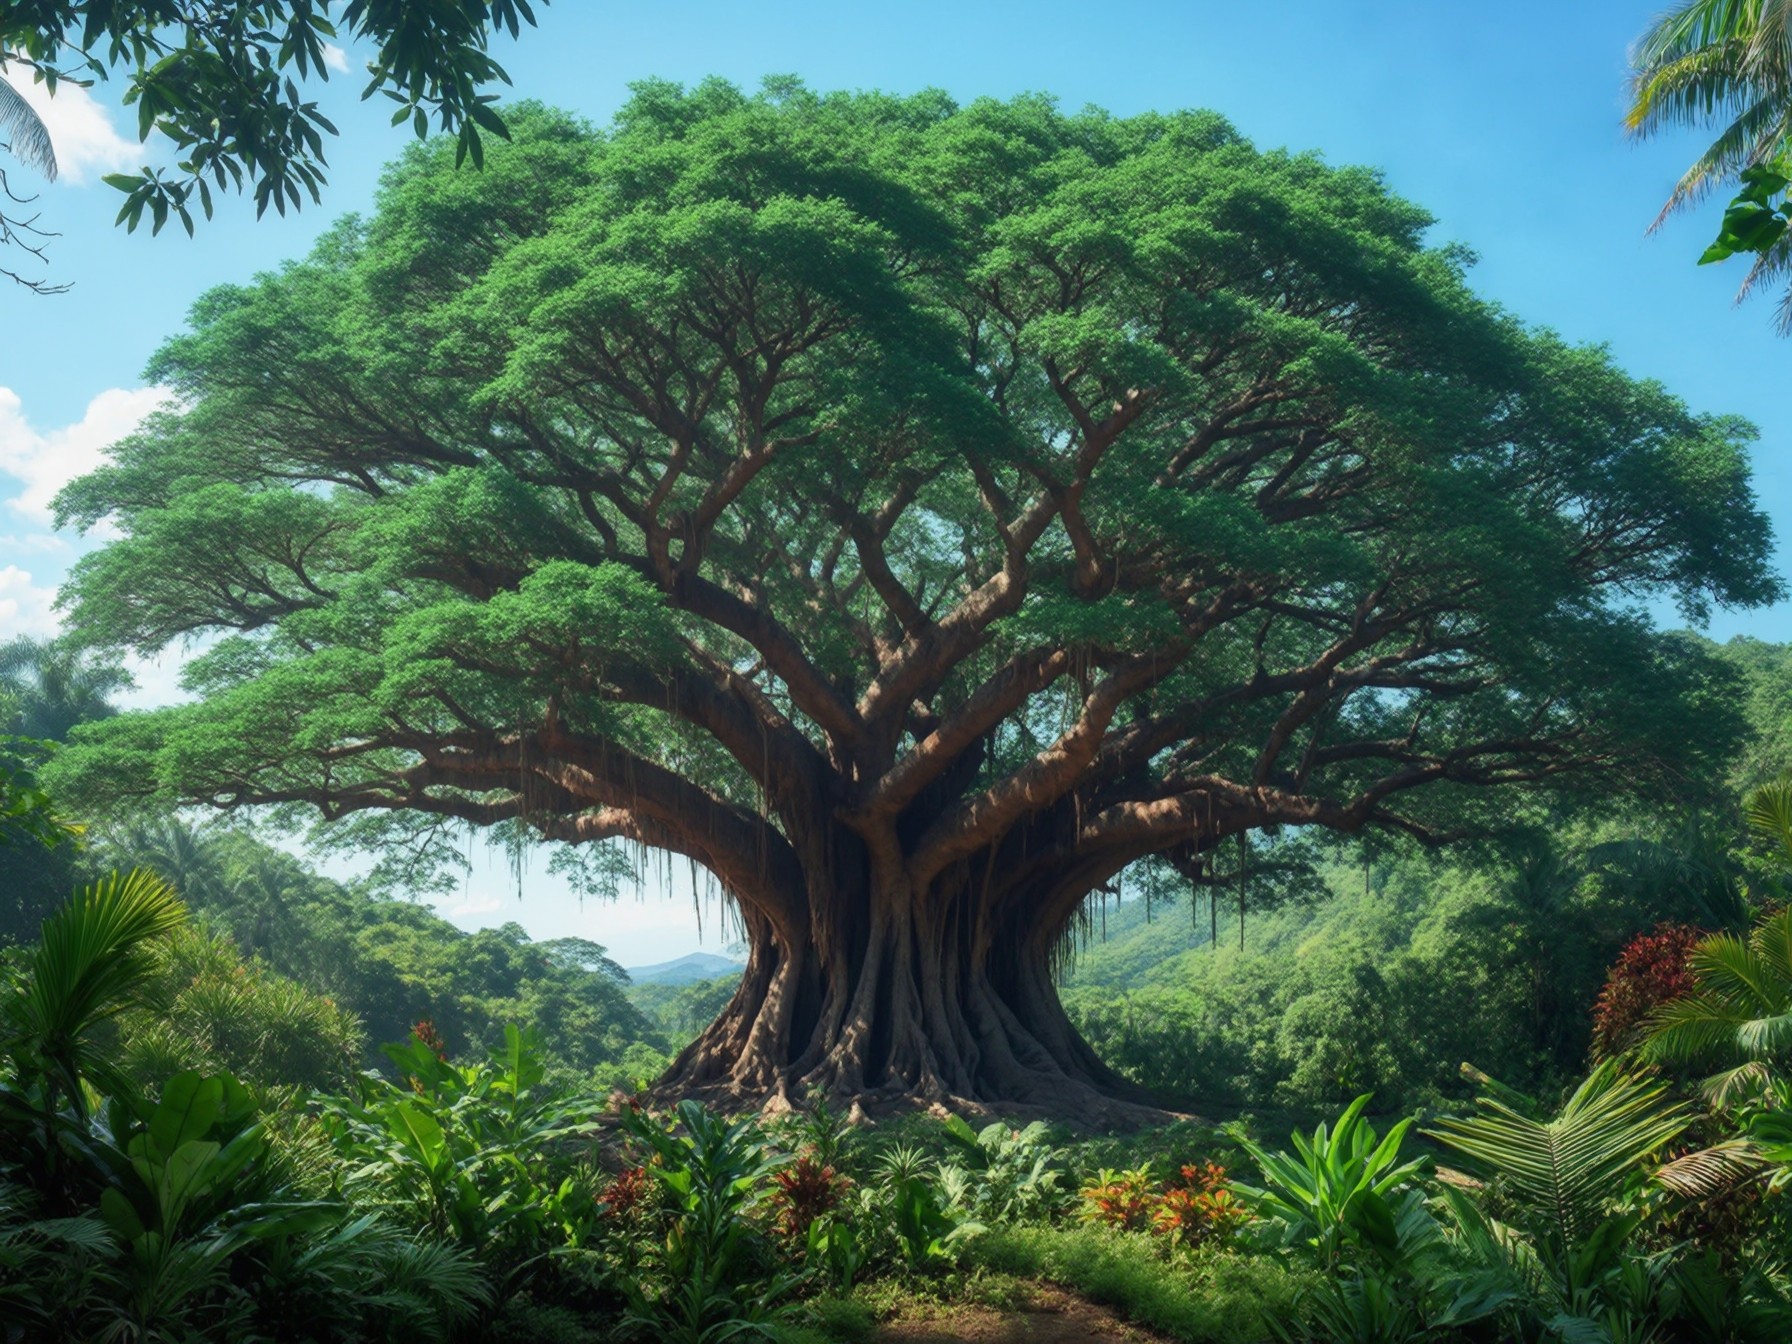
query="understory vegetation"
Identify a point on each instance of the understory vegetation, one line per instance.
(195, 1148)
(245, 1101)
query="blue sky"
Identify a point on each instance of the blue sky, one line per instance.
(1502, 120)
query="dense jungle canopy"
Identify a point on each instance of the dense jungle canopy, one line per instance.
(913, 514)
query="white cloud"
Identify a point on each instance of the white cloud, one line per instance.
(470, 906)
(25, 606)
(157, 679)
(32, 543)
(336, 59)
(45, 462)
(87, 144)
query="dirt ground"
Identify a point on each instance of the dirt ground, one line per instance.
(1048, 1316)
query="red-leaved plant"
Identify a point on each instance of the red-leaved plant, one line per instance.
(625, 1194)
(807, 1189)
(1651, 971)
(1195, 1208)
(427, 1035)
(1200, 1208)
(1122, 1199)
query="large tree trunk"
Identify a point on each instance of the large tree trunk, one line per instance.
(946, 995)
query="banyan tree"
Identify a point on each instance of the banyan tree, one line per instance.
(911, 514)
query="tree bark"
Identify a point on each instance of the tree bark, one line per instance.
(944, 994)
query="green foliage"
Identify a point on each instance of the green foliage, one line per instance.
(463, 1201)
(393, 963)
(713, 1173)
(468, 1153)
(189, 1184)
(1344, 1194)
(1000, 1174)
(171, 1216)
(217, 1013)
(95, 961)
(1567, 1179)
(682, 1011)
(220, 84)
(1738, 1018)
(1754, 221)
(48, 687)
(1723, 65)
(29, 818)
(1340, 995)
(922, 1222)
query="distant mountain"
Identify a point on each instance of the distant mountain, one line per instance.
(687, 970)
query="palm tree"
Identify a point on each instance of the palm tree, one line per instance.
(183, 855)
(1738, 1019)
(93, 962)
(1724, 64)
(24, 136)
(25, 133)
(54, 687)
(1567, 1187)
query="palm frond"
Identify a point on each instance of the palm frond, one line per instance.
(1698, 1028)
(1698, 87)
(93, 961)
(24, 131)
(1768, 811)
(1771, 940)
(1695, 24)
(1711, 1171)
(1734, 970)
(1766, 1037)
(1565, 1172)
(1745, 1082)
(1767, 265)
(1753, 135)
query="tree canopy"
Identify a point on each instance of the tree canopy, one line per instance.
(914, 514)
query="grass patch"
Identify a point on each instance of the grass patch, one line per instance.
(1225, 1299)
(833, 1320)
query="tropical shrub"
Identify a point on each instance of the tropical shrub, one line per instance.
(217, 1013)
(1652, 970)
(1201, 1208)
(1123, 1200)
(1003, 1174)
(807, 1189)
(1565, 1197)
(709, 1280)
(1736, 1018)
(1196, 1208)
(1344, 1192)
(485, 1156)
(171, 1216)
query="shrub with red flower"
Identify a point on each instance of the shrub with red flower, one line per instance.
(807, 1189)
(427, 1035)
(1651, 970)
(625, 1194)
